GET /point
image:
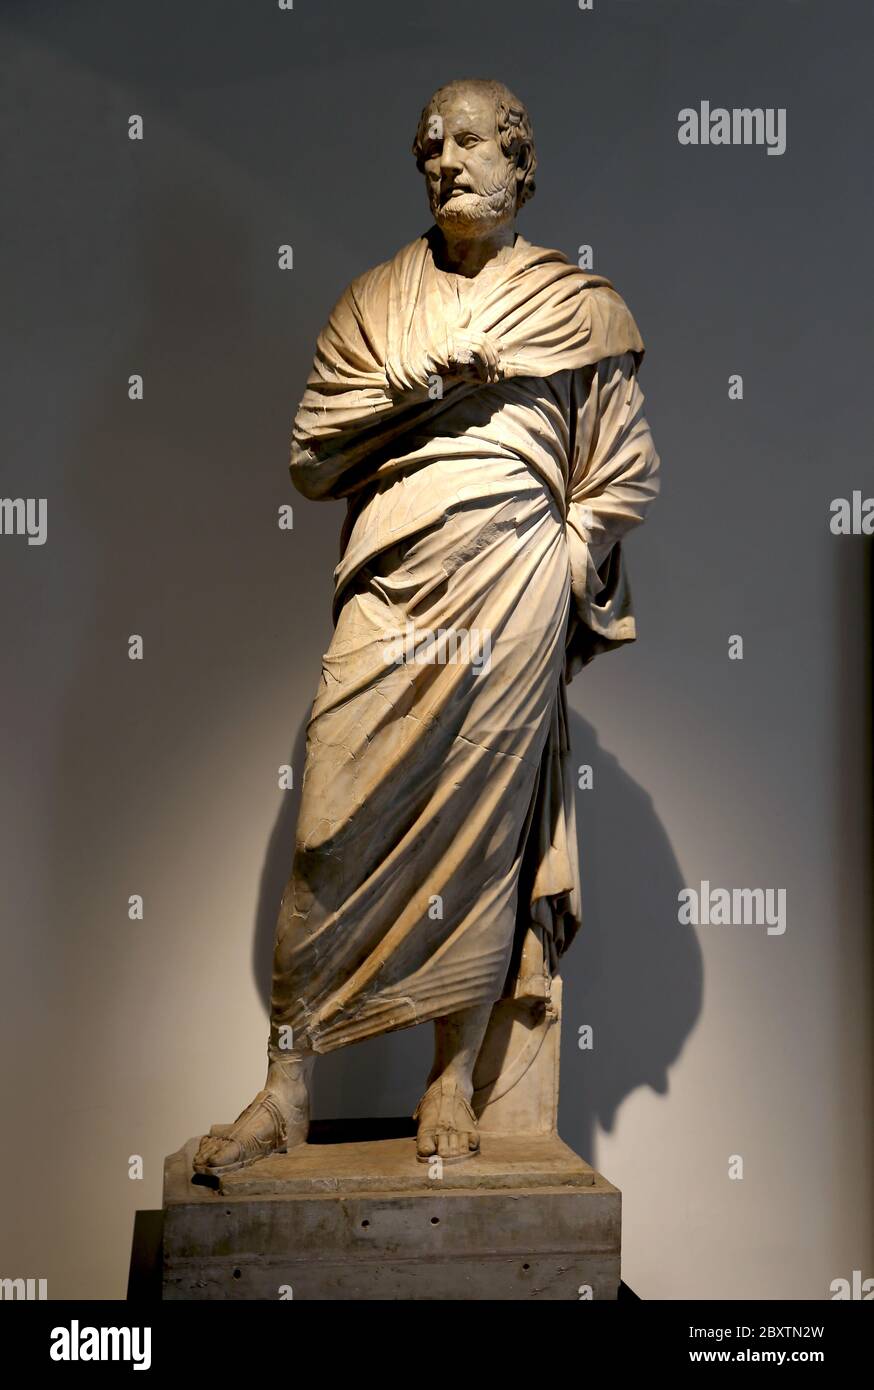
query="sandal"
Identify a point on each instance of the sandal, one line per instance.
(447, 1097)
(250, 1146)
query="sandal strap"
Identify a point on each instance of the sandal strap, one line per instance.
(437, 1091)
(250, 1143)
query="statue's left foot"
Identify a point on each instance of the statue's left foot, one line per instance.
(447, 1125)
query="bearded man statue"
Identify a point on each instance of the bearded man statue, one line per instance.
(475, 400)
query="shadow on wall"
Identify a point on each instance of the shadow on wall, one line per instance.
(633, 972)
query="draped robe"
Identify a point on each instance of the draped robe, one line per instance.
(437, 812)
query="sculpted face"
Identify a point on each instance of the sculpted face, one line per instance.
(471, 182)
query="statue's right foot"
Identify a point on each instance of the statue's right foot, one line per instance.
(273, 1123)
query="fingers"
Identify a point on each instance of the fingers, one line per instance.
(491, 362)
(477, 354)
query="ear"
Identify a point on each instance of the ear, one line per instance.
(523, 159)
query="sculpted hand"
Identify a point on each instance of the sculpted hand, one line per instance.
(468, 355)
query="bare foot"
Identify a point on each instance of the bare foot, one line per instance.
(276, 1120)
(447, 1125)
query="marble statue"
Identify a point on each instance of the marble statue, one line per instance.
(475, 400)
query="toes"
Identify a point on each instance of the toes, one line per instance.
(215, 1153)
(448, 1143)
(451, 1141)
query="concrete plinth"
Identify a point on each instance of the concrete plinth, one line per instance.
(353, 1215)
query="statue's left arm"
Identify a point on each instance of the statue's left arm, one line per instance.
(613, 481)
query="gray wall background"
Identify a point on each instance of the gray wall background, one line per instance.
(264, 127)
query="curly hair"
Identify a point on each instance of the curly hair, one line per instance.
(513, 122)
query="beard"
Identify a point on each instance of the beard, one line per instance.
(481, 208)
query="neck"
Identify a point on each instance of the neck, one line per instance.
(465, 252)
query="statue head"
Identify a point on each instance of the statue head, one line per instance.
(475, 146)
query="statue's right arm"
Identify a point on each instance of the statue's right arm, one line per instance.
(358, 399)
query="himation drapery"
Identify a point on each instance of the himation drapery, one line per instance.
(481, 568)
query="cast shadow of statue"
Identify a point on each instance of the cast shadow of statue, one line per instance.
(633, 972)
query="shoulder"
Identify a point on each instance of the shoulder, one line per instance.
(363, 300)
(611, 325)
(402, 263)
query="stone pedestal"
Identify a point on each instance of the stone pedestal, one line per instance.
(353, 1215)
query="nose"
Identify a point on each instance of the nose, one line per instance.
(450, 156)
